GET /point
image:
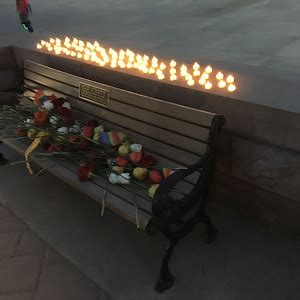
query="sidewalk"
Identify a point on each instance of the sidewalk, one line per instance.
(31, 269)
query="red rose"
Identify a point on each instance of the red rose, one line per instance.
(155, 177)
(136, 156)
(65, 112)
(54, 148)
(88, 132)
(92, 123)
(121, 161)
(52, 98)
(39, 118)
(58, 102)
(147, 161)
(84, 172)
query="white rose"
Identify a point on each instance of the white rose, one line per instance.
(62, 130)
(75, 129)
(136, 148)
(113, 178)
(124, 178)
(48, 105)
(67, 105)
(53, 120)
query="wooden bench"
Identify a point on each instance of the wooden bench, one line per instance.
(178, 136)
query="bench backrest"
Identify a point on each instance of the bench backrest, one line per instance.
(171, 131)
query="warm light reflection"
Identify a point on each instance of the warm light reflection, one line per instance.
(96, 54)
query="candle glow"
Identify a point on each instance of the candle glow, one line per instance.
(96, 54)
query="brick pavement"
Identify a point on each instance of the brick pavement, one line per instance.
(31, 270)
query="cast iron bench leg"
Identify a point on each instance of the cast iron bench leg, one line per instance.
(166, 279)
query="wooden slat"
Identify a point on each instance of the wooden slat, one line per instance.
(92, 190)
(173, 110)
(163, 121)
(154, 132)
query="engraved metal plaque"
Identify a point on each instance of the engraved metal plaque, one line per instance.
(94, 94)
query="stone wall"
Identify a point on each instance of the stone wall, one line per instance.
(258, 164)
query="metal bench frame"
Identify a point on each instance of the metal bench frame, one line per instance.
(174, 219)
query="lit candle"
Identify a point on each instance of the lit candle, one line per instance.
(38, 46)
(208, 85)
(191, 82)
(230, 79)
(73, 53)
(43, 43)
(196, 73)
(173, 63)
(221, 84)
(173, 77)
(52, 41)
(183, 70)
(162, 66)
(159, 71)
(102, 63)
(50, 49)
(205, 76)
(79, 55)
(122, 65)
(151, 71)
(129, 65)
(202, 81)
(173, 71)
(188, 77)
(208, 69)
(161, 76)
(220, 76)
(196, 66)
(231, 87)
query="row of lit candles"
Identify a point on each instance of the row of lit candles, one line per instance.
(96, 54)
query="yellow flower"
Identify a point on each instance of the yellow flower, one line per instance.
(152, 190)
(123, 150)
(140, 173)
(118, 169)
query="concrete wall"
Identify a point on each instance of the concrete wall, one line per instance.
(258, 165)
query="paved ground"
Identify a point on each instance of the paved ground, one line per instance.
(31, 269)
(255, 32)
(249, 261)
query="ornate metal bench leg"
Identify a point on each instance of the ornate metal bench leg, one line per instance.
(166, 279)
(211, 233)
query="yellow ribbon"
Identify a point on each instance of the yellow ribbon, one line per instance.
(37, 141)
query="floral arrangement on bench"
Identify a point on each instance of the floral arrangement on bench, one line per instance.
(50, 124)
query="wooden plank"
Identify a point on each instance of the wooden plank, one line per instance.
(174, 139)
(95, 192)
(177, 111)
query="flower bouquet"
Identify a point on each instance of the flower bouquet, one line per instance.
(49, 124)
